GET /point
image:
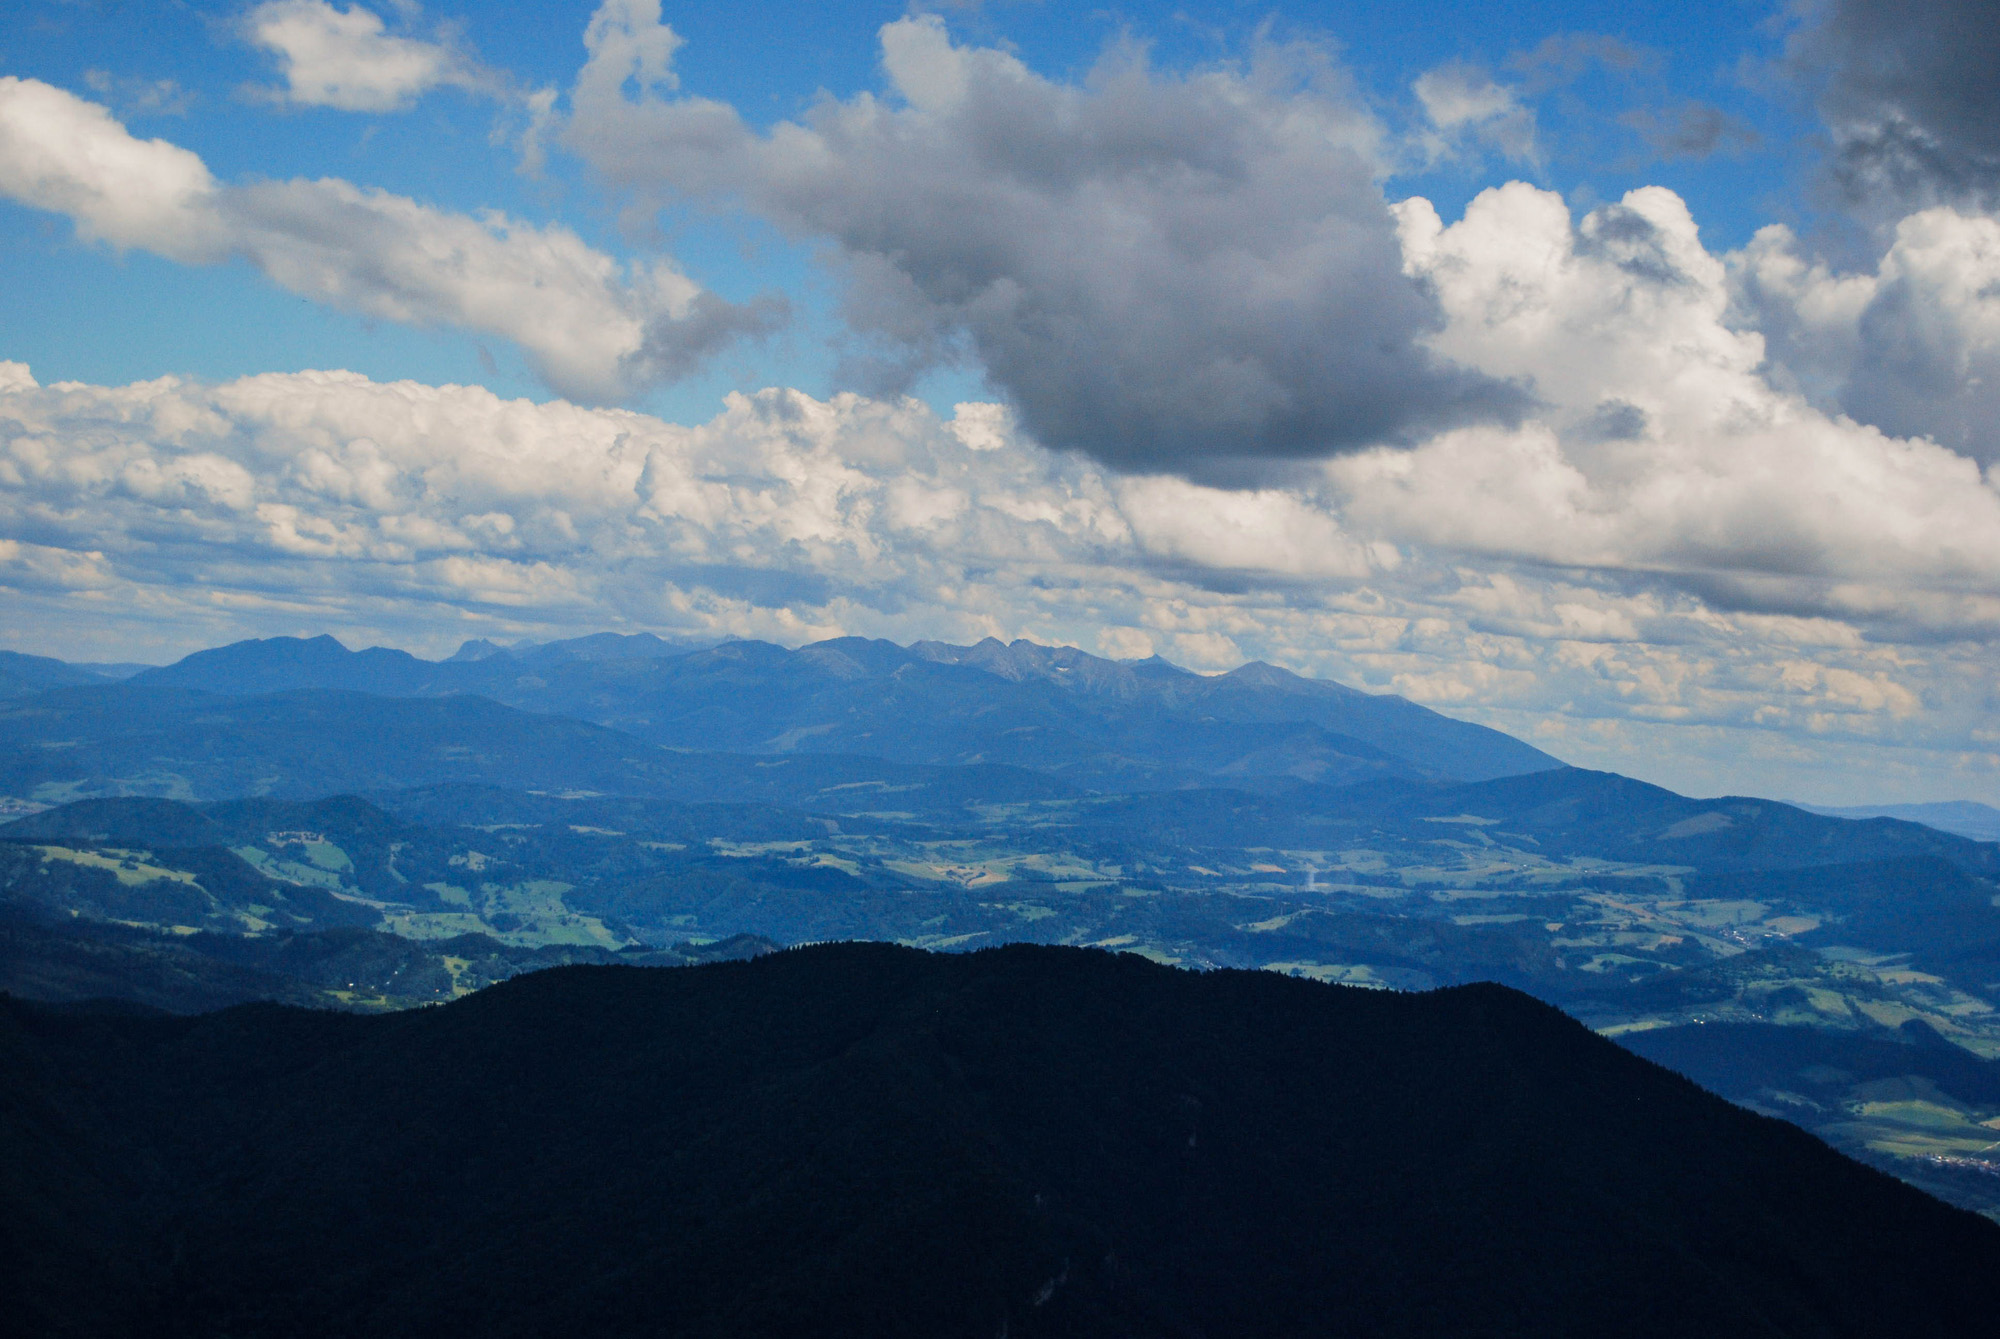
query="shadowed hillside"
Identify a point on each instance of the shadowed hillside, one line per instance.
(190, 744)
(859, 1139)
(1099, 722)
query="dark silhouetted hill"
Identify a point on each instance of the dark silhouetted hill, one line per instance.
(858, 1139)
(60, 960)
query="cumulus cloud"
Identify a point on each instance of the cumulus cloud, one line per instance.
(1172, 273)
(330, 485)
(593, 327)
(1913, 347)
(1660, 447)
(1908, 92)
(1465, 106)
(1568, 583)
(346, 58)
(1271, 531)
(68, 156)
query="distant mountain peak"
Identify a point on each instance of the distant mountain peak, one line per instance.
(476, 649)
(1022, 659)
(21, 674)
(1263, 674)
(276, 664)
(1059, 709)
(1158, 666)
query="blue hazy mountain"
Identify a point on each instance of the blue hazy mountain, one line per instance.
(21, 674)
(121, 739)
(184, 743)
(1571, 813)
(1105, 723)
(1967, 818)
(279, 664)
(1623, 901)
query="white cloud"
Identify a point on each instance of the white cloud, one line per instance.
(1660, 447)
(1464, 105)
(133, 95)
(346, 59)
(68, 156)
(1266, 530)
(1124, 644)
(595, 328)
(584, 318)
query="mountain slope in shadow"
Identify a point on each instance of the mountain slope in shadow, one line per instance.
(188, 744)
(1103, 722)
(859, 1139)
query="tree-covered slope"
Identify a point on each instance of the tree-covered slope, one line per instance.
(861, 1139)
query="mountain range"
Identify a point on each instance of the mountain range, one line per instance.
(288, 820)
(1105, 723)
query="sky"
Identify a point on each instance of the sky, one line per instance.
(1626, 377)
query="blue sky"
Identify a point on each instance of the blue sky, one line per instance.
(772, 61)
(1624, 376)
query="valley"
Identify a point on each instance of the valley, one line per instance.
(186, 848)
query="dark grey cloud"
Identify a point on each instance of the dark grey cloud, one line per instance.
(1910, 92)
(1691, 130)
(1564, 57)
(674, 348)
(1180, 273)
(1920, 372)
(1623, 236)
(1912, 348)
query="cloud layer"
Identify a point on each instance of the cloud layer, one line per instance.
(1667, 540)
(594, 328)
